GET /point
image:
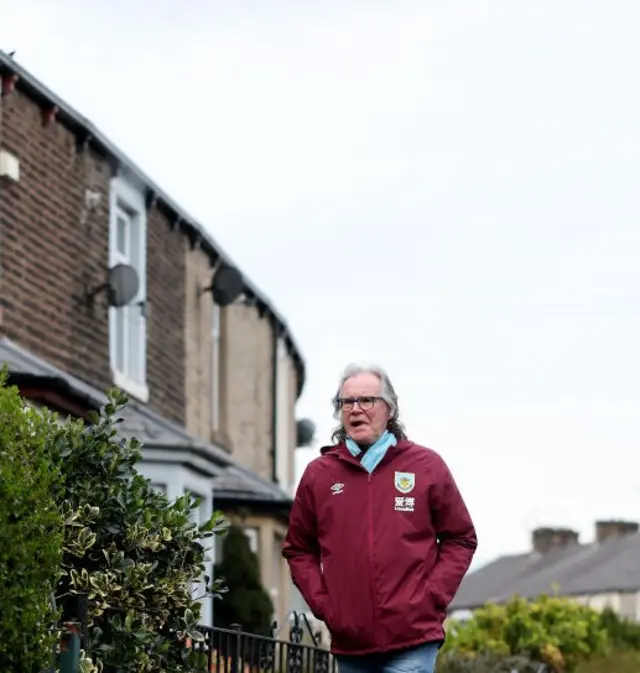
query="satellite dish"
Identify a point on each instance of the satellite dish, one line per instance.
(227, 285)
(305, 432)
(122, 285)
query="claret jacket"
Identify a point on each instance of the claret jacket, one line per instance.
(378, 557)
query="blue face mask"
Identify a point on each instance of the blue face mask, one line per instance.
(375, 453)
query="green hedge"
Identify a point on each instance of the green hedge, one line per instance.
(77, 518)
(486, 663)
(556, 630)
(30, 535)
(624, 661)
(135, 554)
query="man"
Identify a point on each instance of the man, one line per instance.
(379, 536)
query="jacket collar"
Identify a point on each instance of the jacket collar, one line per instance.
(341, 452)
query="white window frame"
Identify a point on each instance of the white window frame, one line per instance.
(159, 488)
(198, 516)
(215, 367)
(276, 570)
(252, 533)
(127, 200)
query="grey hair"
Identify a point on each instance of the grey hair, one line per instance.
(387, 392)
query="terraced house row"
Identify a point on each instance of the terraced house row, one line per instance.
(105, 281)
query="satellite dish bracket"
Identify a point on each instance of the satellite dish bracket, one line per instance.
(121, 287)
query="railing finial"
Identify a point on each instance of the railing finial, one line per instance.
(296, 633)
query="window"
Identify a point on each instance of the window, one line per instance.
(276, 569)
(128, 324)
(252, 535)
(200, 514)
(284, 446)
(159, 488)
(215, 368)
(218, 548)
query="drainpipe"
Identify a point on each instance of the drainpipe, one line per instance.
(274, 397)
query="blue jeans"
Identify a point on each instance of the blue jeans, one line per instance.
(421, 659)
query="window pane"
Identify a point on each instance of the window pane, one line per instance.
(135, 246)
(198, 515)
(276, 572)
(253, 537)
(134, 343)
(120, 339)
(122, 234)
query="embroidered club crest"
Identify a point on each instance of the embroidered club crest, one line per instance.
(405, 481)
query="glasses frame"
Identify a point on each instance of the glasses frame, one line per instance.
(365, 402)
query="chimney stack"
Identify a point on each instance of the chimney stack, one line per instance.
(546, 539)
(609, 530)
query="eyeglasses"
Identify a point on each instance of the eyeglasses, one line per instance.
(365, 403)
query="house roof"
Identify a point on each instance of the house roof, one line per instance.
(88, 133)
(577, 570)
(230, 480)
(236, 485)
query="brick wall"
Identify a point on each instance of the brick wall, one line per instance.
(166, 294)
(248, 385)
(245, 372)
(52, 248)
(198, 349)
(246, 375)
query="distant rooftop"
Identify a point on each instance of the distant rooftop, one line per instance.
(610, 564)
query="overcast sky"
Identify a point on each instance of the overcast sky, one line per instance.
(448, 188)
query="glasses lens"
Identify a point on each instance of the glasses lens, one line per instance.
(348, 403)
(366, 403)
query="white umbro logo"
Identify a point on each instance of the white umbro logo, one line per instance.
(337, 488)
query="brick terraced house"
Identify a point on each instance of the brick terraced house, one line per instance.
(105, 281)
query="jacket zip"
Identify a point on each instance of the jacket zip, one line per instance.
(374, 602)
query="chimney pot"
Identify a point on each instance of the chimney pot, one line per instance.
(546, 539)
(612, 529)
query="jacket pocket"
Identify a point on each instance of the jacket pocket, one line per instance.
(438, 602)
(323, 608)
(330, 619)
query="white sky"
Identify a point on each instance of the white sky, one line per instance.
(449, 188)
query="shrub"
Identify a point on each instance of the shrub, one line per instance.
(135, 555)
(622, 633)
(486, 663)
(552, 629)
(625, 661)
(247, 604)
(30, 534)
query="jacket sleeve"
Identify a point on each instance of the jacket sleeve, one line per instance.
(302, 549)
(457, 540)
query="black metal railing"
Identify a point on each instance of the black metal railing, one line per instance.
(235, 651)
(232, 650)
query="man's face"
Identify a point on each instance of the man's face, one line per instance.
(364, 420)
